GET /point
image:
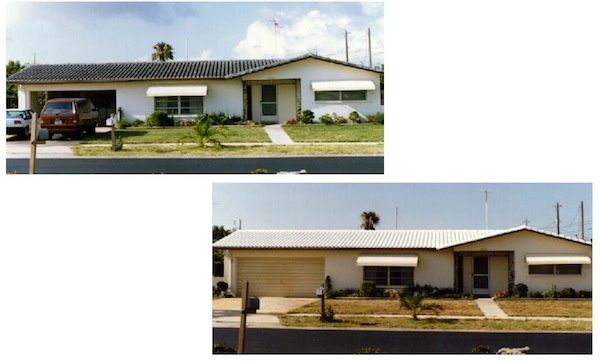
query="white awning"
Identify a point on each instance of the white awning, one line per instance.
(343, 86)
(557, 260)
(183, 90)
(387, 260)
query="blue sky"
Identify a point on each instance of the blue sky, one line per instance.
(420, 205)
(93, 32)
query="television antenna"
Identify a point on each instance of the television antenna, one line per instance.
(486, 192)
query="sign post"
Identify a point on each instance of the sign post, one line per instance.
(33, 138)
(321, 292)
(242, 334)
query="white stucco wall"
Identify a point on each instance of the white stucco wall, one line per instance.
(223, 95)
(524, 243)
(435, 268)
(314, 70)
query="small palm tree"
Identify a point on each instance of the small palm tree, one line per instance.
(369, 220)
(162, 52)
(416, 304)
(204, 132)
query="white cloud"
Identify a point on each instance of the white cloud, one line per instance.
(314, 32)
(372, 8)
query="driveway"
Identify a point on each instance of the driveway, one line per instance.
(226, 311)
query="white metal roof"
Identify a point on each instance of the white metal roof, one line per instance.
(362, 239)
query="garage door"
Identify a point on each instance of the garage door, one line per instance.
(287, 277)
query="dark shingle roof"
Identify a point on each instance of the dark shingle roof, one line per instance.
(144, 71)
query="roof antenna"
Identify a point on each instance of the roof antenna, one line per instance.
(486, 206)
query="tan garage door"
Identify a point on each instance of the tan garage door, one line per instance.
(287, 277)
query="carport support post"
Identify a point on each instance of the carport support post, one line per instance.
(33, 138)
(242, 335)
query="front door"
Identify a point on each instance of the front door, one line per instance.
(268, 104)
(481, 270)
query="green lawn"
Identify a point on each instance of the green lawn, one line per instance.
(145, 135)
(547, 307)
(335, 133)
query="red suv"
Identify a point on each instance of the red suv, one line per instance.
(69, 116)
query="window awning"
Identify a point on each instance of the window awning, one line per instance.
(343, 86)
(182, 90)
(557, 260)
(387, 260)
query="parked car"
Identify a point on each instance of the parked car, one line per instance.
(18, 122)
(69, 116)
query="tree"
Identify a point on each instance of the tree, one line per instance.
(11, 68)
(415, 302)
(219, 232)
(162, 52)
(369, 220)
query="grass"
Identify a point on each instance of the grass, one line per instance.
(195, 151)
(463, 307)
(554, 308)
(389, 307)
(434, 323)
(335, 133)
(146, 135)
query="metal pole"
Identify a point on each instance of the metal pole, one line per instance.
(242, 334)
(582, 223)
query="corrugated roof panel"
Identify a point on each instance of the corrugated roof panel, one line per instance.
(361, 239)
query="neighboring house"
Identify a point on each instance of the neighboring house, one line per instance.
(295, 263)
(265, 91)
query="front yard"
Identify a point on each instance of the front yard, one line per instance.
(335, 133)
(360, 313)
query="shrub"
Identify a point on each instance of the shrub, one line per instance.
(520, 290)
(291, 122)
(118, 145)
(337, 119)
(222, 286)
(122, 123)
(376, 118)
(328, 315)
(585, 294)
(502, 294)
(568, 293)
(367, 289)
(307, 117)
(328, 287)
(326, 119)
(159, 118)
(222, 348)
(550, 293)
(354, 117)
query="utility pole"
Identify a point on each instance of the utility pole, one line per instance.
(346, 36)
(370, 57)
(582, 223)
(526, 221)
(396, 217)
(558, 217)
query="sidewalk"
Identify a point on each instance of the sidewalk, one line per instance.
(226, 313)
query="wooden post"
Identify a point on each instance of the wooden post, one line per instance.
(242, 334)
(33, 148)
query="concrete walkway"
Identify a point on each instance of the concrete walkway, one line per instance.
(277, 135)
(489, 308)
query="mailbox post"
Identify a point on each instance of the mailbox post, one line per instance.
(249, 306)
(321, 293)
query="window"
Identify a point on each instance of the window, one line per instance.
(180, 105)
(389, 276)
(329, 96)
(555, 269)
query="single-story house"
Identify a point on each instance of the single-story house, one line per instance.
(294, 263)
(264, 91)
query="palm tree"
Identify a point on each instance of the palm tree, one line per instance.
(162, 52)
(369, 220)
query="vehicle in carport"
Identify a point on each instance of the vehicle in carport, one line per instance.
(70, 117)
(18, 122)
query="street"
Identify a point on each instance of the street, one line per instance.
(273, 165)
(306, 341)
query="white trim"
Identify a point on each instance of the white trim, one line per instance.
(387, 260)
(557, 260)
(184, 90)
(343, 86)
